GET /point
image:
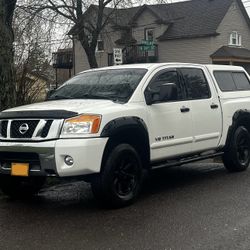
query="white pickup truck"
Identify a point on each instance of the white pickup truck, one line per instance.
(110, 125)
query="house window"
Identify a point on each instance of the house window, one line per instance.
(149, 34)
(235, 39)
(100, 46)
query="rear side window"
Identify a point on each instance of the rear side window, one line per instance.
(232, 81)
(241, 81)
(225, 81)
(197, 85)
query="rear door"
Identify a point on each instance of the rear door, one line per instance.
(205, 109)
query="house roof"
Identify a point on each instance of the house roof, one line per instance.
(231, 52)
(119, 17)
(194, 18)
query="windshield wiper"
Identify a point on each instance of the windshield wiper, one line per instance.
(96, 96)
(59, 97)
(113, 98)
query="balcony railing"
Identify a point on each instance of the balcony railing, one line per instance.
(139, 53)
(63, 60)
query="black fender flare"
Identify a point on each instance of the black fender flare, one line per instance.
(114, 129)
(129, 122)
(237, 120)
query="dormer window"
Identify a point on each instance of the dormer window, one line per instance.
(235, 39)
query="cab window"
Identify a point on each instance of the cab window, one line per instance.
(196, 83)
(166, 86)
(232, 81)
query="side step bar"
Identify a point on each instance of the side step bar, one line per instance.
(182, 161)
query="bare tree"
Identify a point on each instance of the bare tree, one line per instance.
(33, 43)
(7, 83)
(89, 19)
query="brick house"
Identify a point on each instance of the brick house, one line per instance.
(196, 31)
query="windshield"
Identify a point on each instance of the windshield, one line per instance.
(113, 84)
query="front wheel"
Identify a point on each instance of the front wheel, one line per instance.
(21, 187)
(121, 177)
(237, 157)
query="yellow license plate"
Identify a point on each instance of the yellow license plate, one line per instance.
(20, 169)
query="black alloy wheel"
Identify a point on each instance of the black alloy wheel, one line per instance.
(126, 175)
(121, 177)
(237, 156)
(243, 149)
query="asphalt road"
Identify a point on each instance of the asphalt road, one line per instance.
(191, 207)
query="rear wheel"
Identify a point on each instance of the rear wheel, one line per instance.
(21, 187)
(237, 157)
(121, 177)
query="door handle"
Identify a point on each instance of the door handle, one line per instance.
(184, 109)
(214, 106)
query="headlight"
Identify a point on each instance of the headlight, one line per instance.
(82, 124)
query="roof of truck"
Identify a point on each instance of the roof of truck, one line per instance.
(174, 64)
(213, 67)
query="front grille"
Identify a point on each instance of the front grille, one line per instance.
(23, 128)
(30, 129)
(3, 127)
(46, 128)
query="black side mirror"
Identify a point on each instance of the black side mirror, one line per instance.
(166, 92)
(151, 96)
(50, 93)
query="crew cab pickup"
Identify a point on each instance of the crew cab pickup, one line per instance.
(110, 126)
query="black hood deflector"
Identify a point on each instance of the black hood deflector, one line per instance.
(48, 114)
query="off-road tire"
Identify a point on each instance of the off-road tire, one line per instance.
(121, 177)
(237, 156)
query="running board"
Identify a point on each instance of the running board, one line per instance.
(182, 161)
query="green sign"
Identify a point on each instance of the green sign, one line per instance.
(147, 45)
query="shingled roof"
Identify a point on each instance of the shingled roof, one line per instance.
(194, 18)
(231, 52)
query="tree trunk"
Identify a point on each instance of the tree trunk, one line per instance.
(91, 58)
(7, 83)
(90, 52)
(83, 38)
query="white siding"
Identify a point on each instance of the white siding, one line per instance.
(81, 62)
(145, 21)
(196, 50)
(233, 21)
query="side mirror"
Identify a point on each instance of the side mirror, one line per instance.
(50, 93)
(166, 92)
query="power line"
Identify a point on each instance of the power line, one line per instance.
(47, 19)
(53, 41)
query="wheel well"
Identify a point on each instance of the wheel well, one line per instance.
(240, 118)
(136, 137)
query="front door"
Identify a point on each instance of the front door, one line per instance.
(169, 118)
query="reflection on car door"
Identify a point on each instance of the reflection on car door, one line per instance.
(170, 118)
(205, 109)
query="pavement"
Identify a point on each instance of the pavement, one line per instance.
(198, 206)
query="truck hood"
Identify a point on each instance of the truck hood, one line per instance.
(78, 106)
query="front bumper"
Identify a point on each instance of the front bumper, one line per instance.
(47, 158)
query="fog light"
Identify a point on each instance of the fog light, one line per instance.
(69, 160)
